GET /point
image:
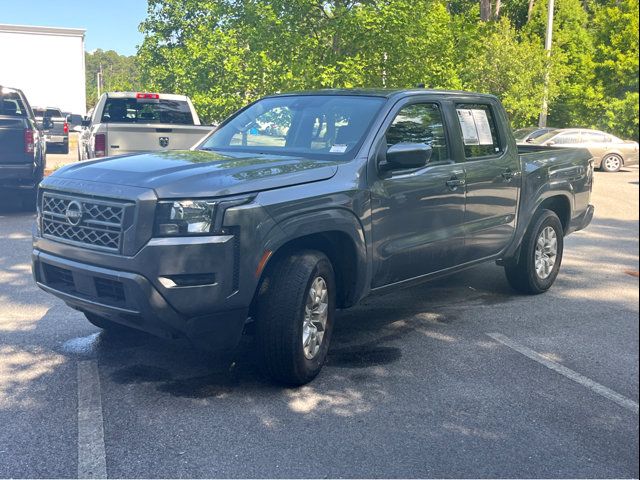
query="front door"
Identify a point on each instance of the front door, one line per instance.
(417, 214)
(493, 175)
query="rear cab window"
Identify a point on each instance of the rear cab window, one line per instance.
(143, 110)
(479, 130)
(11, 104)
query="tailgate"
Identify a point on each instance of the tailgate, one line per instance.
(12, 141)
(134, 138)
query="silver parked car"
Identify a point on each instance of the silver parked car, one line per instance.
(609, 152)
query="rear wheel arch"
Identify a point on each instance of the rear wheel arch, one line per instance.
(560, 205)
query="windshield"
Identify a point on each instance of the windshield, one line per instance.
(316, 126)
(543, 138)
(134, 110)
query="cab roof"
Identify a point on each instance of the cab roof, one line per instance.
(384, 92)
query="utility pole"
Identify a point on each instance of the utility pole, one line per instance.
(542, 122)
(99, 81)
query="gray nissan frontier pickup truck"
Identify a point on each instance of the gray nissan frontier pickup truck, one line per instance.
(300, 204)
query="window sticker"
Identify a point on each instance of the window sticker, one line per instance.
(338, 148)
(475, 127)
(482, 126)
(468, 125)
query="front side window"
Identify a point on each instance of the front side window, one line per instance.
(420, 123)
(317, 126)
(479, 130)
(133, 110)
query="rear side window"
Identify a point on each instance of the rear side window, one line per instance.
(479, 130)
(568, 138)
(594, 137)
(11, 104)
(420, 123)
(132, 110)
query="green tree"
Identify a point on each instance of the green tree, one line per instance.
(119, 73)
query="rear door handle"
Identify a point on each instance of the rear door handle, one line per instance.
(454, 182)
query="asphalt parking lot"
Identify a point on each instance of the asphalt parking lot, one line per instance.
(457, 378)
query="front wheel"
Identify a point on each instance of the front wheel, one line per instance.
(611, 163)
(538, 264)
(296, 306)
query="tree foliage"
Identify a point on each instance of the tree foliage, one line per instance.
(225, 53)
(119, 73)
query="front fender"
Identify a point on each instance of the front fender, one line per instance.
(326, 221)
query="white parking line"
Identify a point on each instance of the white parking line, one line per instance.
(91, 456)
(567, 372)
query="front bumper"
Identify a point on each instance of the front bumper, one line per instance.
(138, 292)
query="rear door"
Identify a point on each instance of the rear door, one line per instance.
(493, 176)
(417, 214)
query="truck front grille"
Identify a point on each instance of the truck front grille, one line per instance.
(89, 222)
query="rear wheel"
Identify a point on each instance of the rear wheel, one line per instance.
(611, 163)
(295, 314)
(537, 266)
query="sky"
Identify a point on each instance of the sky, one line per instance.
(110, 24)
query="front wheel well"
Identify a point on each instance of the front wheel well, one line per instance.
(341, 251)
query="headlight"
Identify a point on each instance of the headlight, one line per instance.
(193, 217)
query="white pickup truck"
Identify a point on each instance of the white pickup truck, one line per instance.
(133, 122)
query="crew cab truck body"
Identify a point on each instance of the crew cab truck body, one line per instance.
(55, 126)
(22, 145)
(300, 204)
(129, 122)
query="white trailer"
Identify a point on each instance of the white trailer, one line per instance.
(46, 63)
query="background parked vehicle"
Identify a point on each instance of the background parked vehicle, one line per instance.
(610, 153)
(57, 131)
(345, 194)
(527, 135)
(130, 122)
(73, 119)
(22, 145)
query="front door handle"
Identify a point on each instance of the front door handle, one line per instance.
(454, 182)
(507, 175)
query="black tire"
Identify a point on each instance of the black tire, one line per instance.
(612, 167)
(280, 316)
(521, 272)
(105, 324)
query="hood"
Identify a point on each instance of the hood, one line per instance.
(195, 173)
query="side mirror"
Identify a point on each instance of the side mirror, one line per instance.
(407, 155)
(86, 121)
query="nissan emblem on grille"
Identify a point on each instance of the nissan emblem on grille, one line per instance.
(73, 213)
(164, 141)
(96, 223)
